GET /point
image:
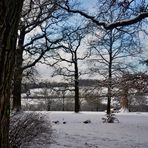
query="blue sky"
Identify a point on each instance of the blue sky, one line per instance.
(88, 5)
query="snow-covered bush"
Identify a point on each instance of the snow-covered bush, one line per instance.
(110, 118)
(27, 128)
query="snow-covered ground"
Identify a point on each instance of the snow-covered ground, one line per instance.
(131, 132)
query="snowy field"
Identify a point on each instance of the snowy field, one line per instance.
(71, 132)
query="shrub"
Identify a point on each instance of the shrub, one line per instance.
(25, 128)
(110, 118)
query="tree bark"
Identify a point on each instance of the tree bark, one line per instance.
(110, 75)
(124, 100)
(63, 103)
(18, 72)
(109, 89)
(17, 89)
(9, 19)
(77, 101)
(124, 104)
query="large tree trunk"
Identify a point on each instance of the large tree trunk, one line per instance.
(18, 73)
(9, 19)
(17, 89)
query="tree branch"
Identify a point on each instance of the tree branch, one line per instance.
(113, 25)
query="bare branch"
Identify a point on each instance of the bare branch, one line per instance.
(110, 26)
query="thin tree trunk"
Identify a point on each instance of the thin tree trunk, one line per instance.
(63, 106)
(108, 101)
(109, 90)
(110, 76)
(77, 101)
(9, 19)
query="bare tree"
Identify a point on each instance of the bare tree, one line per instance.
(128, 13)
(10, 15)
(36, 18)
(68, 56)
(112, 47)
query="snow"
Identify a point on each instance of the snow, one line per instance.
(124, 110)
(131, 132)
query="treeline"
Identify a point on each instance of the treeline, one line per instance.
(138, 81)
(82, 83)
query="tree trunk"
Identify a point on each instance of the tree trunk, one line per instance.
(124, 93)
(110, 75)
(63, 103)
(17, 89)
(109, 91)
(124, 104)
(9, 19)
(124, 100)
(18, 73)
(108, 102)
(77, 101)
